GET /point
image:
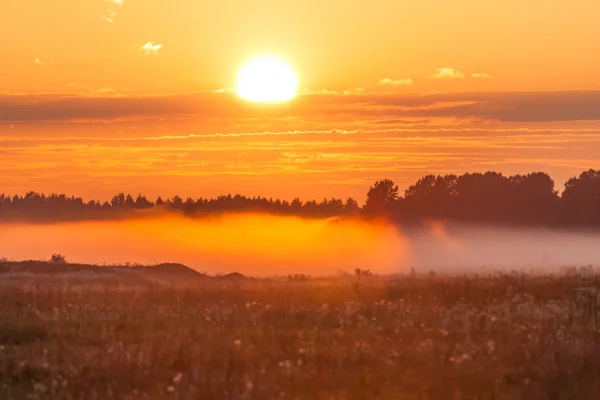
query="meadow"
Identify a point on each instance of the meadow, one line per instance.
(421, 336)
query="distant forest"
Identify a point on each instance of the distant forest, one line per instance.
(489, 197)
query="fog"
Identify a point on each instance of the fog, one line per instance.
(260, 245)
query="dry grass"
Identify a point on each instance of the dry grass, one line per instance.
(502, 337)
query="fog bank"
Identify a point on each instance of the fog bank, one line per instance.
(262, 245)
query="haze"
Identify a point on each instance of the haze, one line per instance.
(262, 245)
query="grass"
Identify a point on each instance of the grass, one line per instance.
(494, 337)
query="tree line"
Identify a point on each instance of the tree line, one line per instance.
(488, 197)
(59, 206)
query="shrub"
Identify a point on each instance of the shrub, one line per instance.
(299, 277)
(362, 272)
(58, 259)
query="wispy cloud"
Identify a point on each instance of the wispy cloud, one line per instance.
(109, 17)
(320, 92)
(118, 2)
(447, 73)
(349, 92)
(398, 82)
(479, 75)
(345, 92)
(314, 109)
(151, 48)
(106, 90)
(39, 61)
(223, 90)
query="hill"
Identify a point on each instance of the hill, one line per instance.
(166, 272)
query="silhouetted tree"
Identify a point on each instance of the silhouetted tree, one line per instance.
(351, 206)
(118, 200)
(382, 198)
(431, 196)
(534, 199)
(176, 202)
(581, 198)
(58, 259)
(129, 202)
(142, 202)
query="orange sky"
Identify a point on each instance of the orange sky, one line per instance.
(390, 89)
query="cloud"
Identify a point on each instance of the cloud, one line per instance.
(151, 48)
(328, 92)
(39, 61)
(349, 92)
(307, 91)
(478, 75)
(223, 90)
(118, 2)
(109, 17)
(447, 73)
(324, 109)
(399, 82)
(106, 90)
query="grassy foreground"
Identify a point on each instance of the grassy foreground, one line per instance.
(502, 337)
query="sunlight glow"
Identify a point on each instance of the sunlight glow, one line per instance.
(266, 79)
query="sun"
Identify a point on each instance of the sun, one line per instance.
(266, 79)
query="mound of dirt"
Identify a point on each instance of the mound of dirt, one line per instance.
(170, 269)
(234, 276)
(162, 271)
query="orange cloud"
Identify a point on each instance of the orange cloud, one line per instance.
(346, 110)
(109, 17)
(481, 76)
(398, 82)
(151, 48)
(39, 61)
(448, 73)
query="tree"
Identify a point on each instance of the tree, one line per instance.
(381, 198)
(534, 198)
(118, 200)
(58, 259)
(296, 205)
(142, 202)
(129, 202)
(581, 198)
(351, 206)
(483, 197)
(431, 196)
(176, 202)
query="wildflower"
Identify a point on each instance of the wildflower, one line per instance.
(40, 387)
(177, 378)
(237, 342)
(170, 389)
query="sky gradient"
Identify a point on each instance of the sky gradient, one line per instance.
(100, 96)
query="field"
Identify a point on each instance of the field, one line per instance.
(500, 336)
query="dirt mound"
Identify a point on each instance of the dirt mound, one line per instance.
(234, 276)
(162, 271)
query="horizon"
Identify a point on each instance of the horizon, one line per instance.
(361, 199)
